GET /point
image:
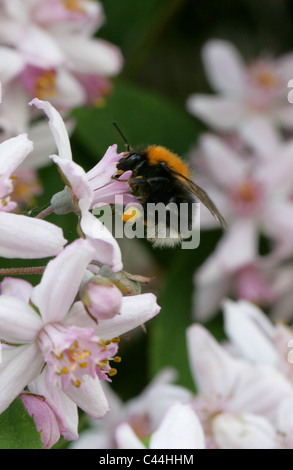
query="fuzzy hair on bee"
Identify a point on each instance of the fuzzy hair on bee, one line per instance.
(159, 176)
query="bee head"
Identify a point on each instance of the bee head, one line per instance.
(130, 161)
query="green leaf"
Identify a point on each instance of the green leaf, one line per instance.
(143, 116)
(17, 428)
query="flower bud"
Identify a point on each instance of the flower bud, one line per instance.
(101, 298)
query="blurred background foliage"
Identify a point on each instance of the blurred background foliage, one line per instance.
(161, 42)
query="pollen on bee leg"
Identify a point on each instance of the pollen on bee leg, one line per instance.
(132, 214)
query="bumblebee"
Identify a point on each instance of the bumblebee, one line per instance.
(160, 176)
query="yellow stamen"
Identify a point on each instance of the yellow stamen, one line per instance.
(266, 79)
(73, 367)
(45, 86)
(77, 383)
(112, 372)
(103, 364)
(73, 5)
(247, 192)
(115, 340)
(83, 365)
(64, 370)
(117, 359)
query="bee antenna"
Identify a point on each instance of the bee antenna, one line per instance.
(122, 135)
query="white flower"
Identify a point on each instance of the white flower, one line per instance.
(245, 91)
(22, 236)
(179, 429)
(57, 350)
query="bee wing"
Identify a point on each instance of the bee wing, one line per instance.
(202, 196)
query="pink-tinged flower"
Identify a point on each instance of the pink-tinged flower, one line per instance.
(21, 236)
(244, 91)
(26, 188)
(244, 431)
(11, 64)
(85, 191)
(101, 297)
(256, 338)
(143, 413)
(249, 431)
(229, 384)
(51, 53)
(69, 352)
(254, 192)
(179, 429)
(44, 417)
(53, 335)
(16, 288)
(223, 275)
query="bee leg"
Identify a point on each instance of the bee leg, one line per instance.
(155, 179)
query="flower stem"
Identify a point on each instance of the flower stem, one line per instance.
(45, 212)
(22, 271)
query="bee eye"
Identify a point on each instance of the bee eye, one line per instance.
(130, 162)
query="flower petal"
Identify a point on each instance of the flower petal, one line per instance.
(259, 390)
(225, 68)
(77, 181)
(223, 114)
(13, 152)
(16, 288)
(245, 431)
(92, 55)
(64, 408)
(44, 417)
(69, 92)
(11, 64)
(217, 155)
(213, 369)
(19, 323)
(57, 126)
(126, 438)
(236, 249)
(61, 280)
(44, 144)
(107, 250)
(26, 237)
(19, 367)
(262, 136)
(90, 397)
(250, 331)
(135, 311)
(39, 48)
(180, 429)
